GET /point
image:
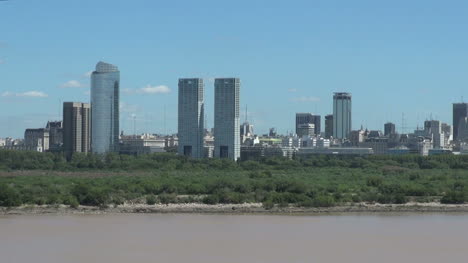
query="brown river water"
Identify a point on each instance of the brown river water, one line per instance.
(233, 238)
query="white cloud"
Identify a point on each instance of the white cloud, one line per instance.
(292, 90)
(33, 93)
(2, 61)
(305, 99)
(71, 84)
(148, 89)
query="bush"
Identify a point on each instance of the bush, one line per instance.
(268, 205)
(453, 197)
(9, 197)
(211, 199)
(323, 201)
(151, 200)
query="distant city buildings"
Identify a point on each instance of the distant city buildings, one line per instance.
(226, 118)
(141, 144)
(308, 118)
(389, 129)
(460, 111)
(105, 84)
(328, 126)
(37, 137)
(191, 117)
(55, 135)
(76, 127)
(341, 115)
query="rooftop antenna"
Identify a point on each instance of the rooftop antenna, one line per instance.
(403, 123)
(165, 130)
(134, 125)
(246, 118)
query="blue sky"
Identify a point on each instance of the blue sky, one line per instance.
(395, 57)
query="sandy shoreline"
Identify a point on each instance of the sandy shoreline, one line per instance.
(253, 208)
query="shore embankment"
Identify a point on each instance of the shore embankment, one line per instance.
(248, 208)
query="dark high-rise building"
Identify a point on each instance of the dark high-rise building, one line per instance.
(389, 129)
(308, 118)
(191, 117)
(76, 127)
(460, 111)
(329, 126)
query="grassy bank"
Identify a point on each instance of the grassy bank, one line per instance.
(320, 181)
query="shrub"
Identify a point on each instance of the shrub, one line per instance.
(453, 197)
(9, 197)
(151, 200)
(323, 201)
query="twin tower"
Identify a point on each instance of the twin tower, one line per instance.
(191, 128)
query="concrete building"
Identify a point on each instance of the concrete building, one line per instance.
(191, 117)
(389, 129)
(76, 127)
(342, 123)
(328, 126)
(308, 118)
(226, 119)
(334, 151)
(462, 132)
(305, 129)
(55, 135)
(356, 137)
(105, 82)
(460, 111)
(35, 137)
(141, 144)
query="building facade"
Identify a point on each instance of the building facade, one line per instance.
(105, 82)
(341, 115)
(191, 117)
(308, 118)
(389, 129)
(226, 119)
(328, 126)
(37, 137)
(460, 111)
(76, 127)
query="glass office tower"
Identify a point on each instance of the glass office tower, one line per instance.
(105, 108)
(191, 118)
(226, 121)
(341, 115)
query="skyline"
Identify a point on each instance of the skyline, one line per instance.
(291, 60)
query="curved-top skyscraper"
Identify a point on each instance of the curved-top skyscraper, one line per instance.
(105, 108)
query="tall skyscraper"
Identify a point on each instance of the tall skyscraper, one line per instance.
(341, 115)
(460, 111)
(328, 126)
(191, 117)
(308, 118)
(389, 129)
(105, 83)
(76, 127)
(226, 120)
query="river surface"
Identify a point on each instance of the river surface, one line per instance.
(185, 238)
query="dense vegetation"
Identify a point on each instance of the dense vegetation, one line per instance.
(316, 181)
